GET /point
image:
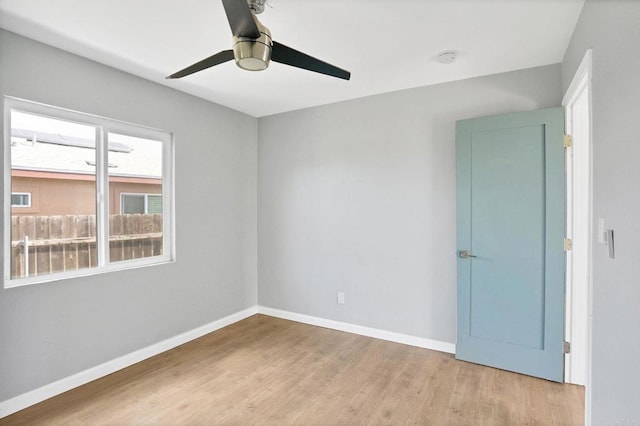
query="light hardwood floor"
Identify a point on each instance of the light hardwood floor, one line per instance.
(264, 370)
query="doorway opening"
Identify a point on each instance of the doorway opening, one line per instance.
(577, 102)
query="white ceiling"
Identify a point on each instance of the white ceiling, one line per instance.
(387, 45)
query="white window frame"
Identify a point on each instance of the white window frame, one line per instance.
(21, 206)
(103, 126)
(142, 194)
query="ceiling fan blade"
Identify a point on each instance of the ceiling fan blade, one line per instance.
(218, 58)
(241, 19)
(286, 55)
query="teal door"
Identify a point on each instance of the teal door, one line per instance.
(510, 235)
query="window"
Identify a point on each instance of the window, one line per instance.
(105, 190)
(140, 203)
(20, 199)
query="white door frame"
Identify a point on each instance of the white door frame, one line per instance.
(579, 229)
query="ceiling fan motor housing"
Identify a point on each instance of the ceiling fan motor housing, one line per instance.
(253, 54)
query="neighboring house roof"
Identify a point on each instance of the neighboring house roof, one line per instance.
(66, 140)
(49, 152)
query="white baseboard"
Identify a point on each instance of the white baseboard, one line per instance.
(406, 339)
(35, 396)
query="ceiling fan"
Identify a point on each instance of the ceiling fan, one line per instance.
(253, 46)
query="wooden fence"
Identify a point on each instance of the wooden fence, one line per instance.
(64, 243)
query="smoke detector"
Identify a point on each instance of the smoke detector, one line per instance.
(447, 57)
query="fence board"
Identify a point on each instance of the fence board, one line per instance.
(129, 227)
(92, 225)
(70, 227)
(63, 243)
(82, 226)
(157, 226)
(56, 231)
(56, 227)
(27, 227)
(83, 256)
(41, 227)
(70, 250)
(116, 251)
(93, 255)
(15, 228)
(17, 261)
(70, 257)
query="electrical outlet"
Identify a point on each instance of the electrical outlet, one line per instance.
(340, 298)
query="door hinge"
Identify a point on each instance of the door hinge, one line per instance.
(568, 141)
(567, 347)
(568, 244)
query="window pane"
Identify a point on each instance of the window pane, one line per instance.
(51, 159)
(132, 204)
(135, 188)
(154, 204)
(20, 200)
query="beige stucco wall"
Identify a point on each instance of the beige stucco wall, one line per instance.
(71, 196)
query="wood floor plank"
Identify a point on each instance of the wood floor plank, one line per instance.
(269, 371)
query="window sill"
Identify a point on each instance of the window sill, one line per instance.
(113, 267)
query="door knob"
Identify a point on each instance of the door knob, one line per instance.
(464, 254)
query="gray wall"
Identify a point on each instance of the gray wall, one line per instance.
(612, 29)
(359, 197)
(50, 331)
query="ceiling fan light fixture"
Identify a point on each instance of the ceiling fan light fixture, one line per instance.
(253, 54)
(252, 64)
